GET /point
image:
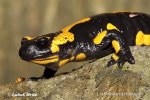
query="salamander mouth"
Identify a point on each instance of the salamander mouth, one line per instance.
(48, 60)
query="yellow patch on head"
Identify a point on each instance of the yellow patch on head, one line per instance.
(63, 38)
(116, 45)
(80, 56)
(47, 60)
(28, 37)
(54, 48)
(115, 57)
(66, 29)
(142, 39)
(111, 27)
(98, 39)
(66, 36)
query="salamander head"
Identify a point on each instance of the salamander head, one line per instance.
(38, 50)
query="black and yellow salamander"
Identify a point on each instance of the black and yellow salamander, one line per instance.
(87, 39)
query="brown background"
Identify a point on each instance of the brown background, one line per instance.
(36, 17)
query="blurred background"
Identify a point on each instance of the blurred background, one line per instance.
(19, 18)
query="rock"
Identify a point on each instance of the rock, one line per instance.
(93, 81)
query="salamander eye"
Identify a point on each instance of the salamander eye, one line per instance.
(43, 42)
(25, 39)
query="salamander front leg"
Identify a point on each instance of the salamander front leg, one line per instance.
(120, 58)
(48, 73)
(122, 50)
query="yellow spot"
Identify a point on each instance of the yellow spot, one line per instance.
(28, 37)
(98, 39)
(47, 60)
(147, 39)
(116, 45)
(63, 38)
(115, 57)
(111, 27)
(66, 35)
(139, 38)
(142, 39)
(54, 48)
(62, 62)
(80, 56)
(66, 29)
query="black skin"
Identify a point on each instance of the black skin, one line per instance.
(84, 33)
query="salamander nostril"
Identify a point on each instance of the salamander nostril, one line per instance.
(43, 42)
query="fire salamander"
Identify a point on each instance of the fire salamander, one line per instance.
(87, 39)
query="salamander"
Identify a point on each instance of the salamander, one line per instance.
(89, 38)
